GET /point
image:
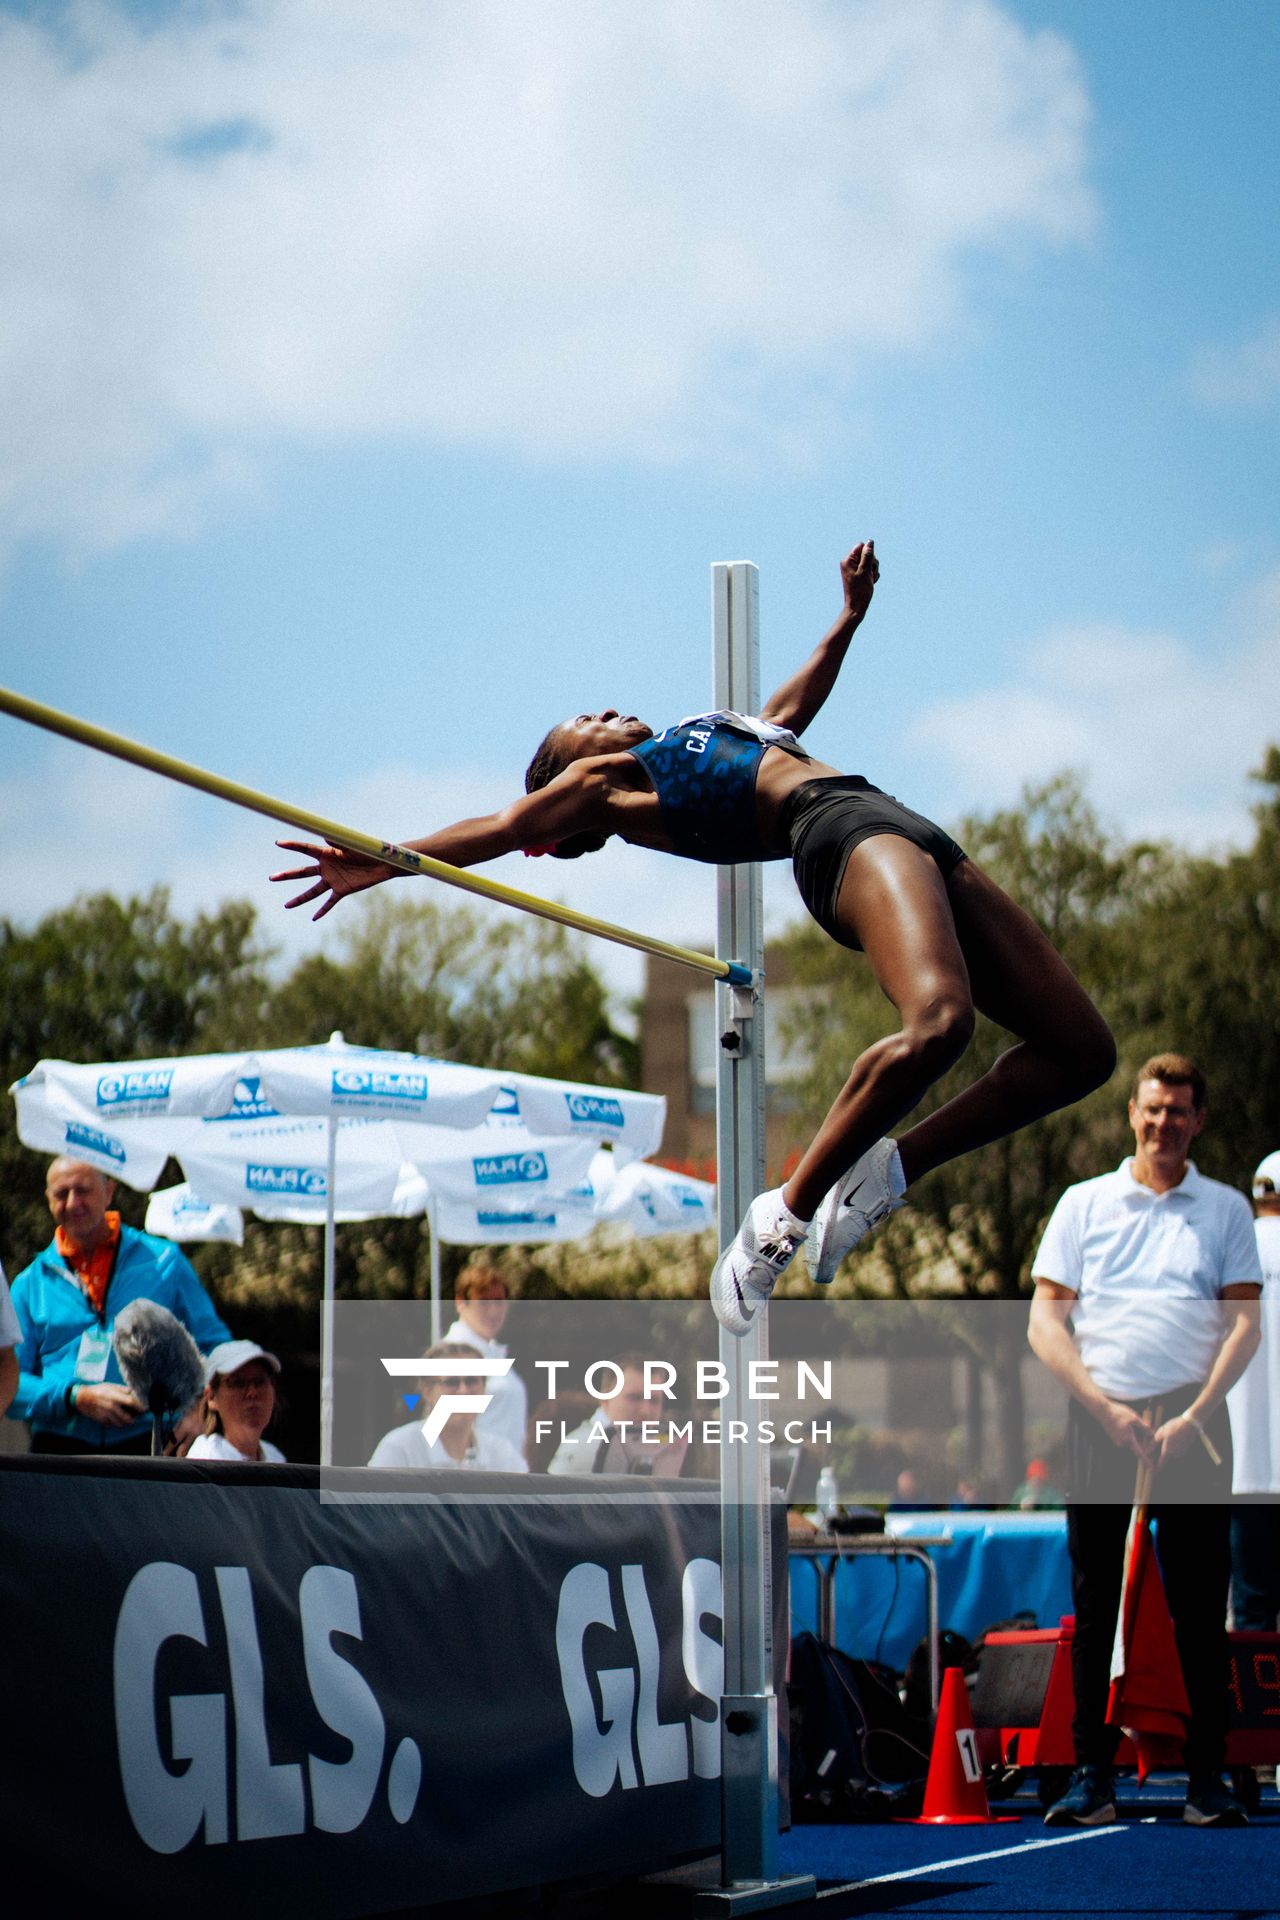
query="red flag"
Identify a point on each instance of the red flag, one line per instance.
(1148, 1698)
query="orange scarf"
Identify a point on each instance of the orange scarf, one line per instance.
(92, 1270)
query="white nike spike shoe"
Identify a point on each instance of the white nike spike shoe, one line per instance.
(870, 1191)
(749, 1268)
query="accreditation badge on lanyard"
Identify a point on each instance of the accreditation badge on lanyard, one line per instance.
(94, 1355)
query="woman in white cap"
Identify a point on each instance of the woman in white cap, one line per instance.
(239, 1404)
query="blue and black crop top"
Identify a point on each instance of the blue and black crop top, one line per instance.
(704, 774)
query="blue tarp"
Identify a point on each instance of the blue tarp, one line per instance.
(998, 1564)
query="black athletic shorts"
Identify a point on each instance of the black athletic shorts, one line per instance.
(826, 819)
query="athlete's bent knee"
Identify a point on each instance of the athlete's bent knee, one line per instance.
(938, 1034)
(1093, 1054)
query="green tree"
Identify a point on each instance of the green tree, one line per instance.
(107, 979)
(1204, 979)
(117, 980)
(498, 990)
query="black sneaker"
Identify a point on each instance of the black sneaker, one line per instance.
(1089, 1800)
(1210, 1804)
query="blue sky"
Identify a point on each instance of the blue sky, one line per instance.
(380, 382)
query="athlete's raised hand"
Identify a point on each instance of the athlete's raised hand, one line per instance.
(799, 698)
(859, 571)
(334, 872)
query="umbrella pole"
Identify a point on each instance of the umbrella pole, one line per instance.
(435, 1273)
(326, 1308)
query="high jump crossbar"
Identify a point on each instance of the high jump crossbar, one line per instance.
(353, 841)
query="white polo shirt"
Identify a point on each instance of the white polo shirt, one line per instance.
(1148, 1269)
(1254, 1401)
(408, 1447)
(216, 1446)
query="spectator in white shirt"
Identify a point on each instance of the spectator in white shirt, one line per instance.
(239, 1404)
(460, 1442)
(10, 1339)
(612, 1438)
(1145, 1308)
(481, 1298)
(1254, 1406)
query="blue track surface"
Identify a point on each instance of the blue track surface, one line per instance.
(1148, 1863)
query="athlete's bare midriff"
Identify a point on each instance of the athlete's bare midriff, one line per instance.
(780, 773)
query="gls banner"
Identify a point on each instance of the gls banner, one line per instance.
(363, 1704)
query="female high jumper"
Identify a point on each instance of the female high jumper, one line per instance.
(940, 936)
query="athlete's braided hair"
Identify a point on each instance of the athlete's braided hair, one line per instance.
(549, 760)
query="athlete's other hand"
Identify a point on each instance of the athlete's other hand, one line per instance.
(859, 571)
(335, 873)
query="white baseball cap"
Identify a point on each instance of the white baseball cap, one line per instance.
(234, 1354)
(1266, 1181)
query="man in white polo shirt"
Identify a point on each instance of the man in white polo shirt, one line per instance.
(1145, 1307)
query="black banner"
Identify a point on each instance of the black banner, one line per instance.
(220, 1685)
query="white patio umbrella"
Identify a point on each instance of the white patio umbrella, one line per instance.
(652, 1200)
(645, 1198)
(328, 1130)
(176, 1213)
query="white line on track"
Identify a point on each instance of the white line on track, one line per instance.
(972, 1859)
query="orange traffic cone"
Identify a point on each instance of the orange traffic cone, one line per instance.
(954, 1795)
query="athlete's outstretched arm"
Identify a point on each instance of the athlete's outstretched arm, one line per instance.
(800, 698)
(576, 801)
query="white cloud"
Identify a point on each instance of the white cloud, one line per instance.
(578, 229)
(1165, 736)
(1242, 378)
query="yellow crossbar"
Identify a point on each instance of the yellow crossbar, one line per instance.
(352, 841)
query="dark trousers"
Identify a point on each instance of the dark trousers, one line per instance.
(1193, 1545)
(1255, 1562)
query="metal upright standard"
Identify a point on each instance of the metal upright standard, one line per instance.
(749, 1709)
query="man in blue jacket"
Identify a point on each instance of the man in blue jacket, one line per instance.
(69, 1387)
